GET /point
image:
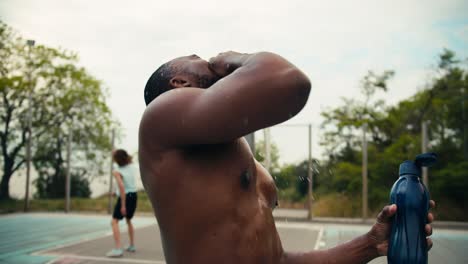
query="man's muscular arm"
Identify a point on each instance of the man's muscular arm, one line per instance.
(361, 249)
(257, 90)
(358, 250)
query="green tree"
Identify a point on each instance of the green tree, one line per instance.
(302, 176)
(79, 110)
(395, 135)
(343, 133)
(13, 89)
(65, 100)
(293, 180)
(52, 186)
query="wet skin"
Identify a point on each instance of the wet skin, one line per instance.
(215, 205)
(212, 200)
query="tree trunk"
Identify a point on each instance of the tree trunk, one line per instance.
(5, 183)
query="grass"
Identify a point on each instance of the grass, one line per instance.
(325, 205)
(336, 205)
(341, 205)
(96, 205)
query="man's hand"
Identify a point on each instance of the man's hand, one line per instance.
(380, 232)
(123, 210)
(227, 62)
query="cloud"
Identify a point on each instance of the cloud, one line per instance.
(333, 42)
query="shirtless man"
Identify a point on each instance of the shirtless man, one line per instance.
(212, 199)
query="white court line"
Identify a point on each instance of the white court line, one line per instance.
(308, 226)
(319, 239)
(113, 260)
(299, 226)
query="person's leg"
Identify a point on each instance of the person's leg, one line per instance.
(131, 232)
(116, 217)
(131, 206)
(116, 232)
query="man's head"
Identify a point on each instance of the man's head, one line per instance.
(188, 71)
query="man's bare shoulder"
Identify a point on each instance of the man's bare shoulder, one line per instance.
(165, 116)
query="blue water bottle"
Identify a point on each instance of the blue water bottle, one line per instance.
(408, 237)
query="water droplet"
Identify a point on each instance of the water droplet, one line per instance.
(227, 66)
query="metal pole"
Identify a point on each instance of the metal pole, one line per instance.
(67, 182)
(267, 142)
(364, 172)
(109, 210)
(424, 150)
(30, 44)
(310, 176)
(465, 126)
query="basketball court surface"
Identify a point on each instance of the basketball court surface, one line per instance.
(84, 239)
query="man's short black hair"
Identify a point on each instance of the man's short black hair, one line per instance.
(158, 83)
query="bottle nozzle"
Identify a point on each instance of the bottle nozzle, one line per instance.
(421, 160)
(425, 159)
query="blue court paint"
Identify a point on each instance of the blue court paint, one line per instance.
(23, 234)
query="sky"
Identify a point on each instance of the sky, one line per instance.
(334, 42)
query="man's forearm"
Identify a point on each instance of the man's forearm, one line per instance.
(358, 250)
(227, 62)
(236, 60)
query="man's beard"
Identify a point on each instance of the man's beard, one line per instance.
(205, 81)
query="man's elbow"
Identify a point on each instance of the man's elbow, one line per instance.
(301, 82)
(301, 87)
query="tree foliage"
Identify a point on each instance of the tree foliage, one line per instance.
(65, 99)
(394, 135)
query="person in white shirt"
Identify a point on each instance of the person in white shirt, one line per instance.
(127, 200)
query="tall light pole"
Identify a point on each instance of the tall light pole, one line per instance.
(465, 126)
(30, 44)
(310, 171)
(109, 208)
(68, 173)
(424, 150)
(310, 176)
(364, 172)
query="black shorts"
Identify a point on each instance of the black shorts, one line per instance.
(130, 205)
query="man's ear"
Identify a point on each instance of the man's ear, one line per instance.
(179, 82)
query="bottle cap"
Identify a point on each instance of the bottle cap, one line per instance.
(409, 167)
(414, 168)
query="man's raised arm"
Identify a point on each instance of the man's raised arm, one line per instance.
(256, 91)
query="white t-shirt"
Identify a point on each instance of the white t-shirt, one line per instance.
(128, 173)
